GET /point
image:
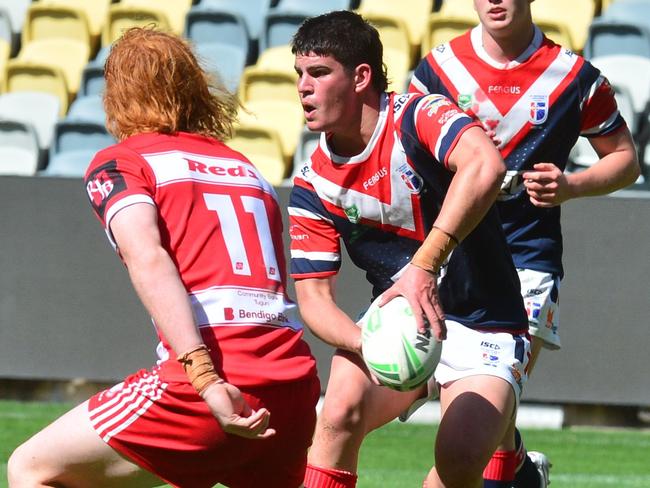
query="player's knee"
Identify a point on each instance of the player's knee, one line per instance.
(22, 468)
(459, 464)
(341, 414)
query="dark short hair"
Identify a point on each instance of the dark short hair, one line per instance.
(348, 38)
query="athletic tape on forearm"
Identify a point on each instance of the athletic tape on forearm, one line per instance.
(434, 250)
(199, 368)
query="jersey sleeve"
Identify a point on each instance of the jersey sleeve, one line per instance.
(424, 79)
(315, 243)
(439, 123)
(114, 181)
(600, 115)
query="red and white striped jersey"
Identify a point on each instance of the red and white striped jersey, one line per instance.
(220, 222)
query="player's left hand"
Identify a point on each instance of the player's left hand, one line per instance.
(234, 414)
(547, 185)
(420, 288)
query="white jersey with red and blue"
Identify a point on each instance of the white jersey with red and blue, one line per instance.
(220, 222)
(382, 204)
(538, 105)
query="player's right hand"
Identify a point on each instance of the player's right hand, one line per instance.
(234, 414)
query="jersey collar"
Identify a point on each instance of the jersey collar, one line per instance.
(477, 43)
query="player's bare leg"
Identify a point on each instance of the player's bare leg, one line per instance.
(69, 453)
(353, 406)
(477, 418)
(536, 346)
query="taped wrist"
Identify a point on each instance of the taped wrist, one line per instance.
(434, 250)
(198, 366)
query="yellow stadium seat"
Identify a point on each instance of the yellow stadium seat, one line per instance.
(45, 21)
(268, 84)
(576, 14)
(284, 116)
(394, 37)
(122, 17)
(263, 147)
(24, 75)
(174, 10)
(96, 13)
(558, 31)
(5, 50)
(459, 8)
(68, 55)
(443, 28)
(278, 58)
(413, 13)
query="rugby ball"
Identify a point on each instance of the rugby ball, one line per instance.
(394, 351)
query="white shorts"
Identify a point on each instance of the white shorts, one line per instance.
(541, 294)
(467, 352)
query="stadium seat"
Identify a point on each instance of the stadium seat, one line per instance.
(38, 109)
(628, 11)
(608, 37)
(16, 10)
(277, 58)
(37, 77)
(173, 10)
(203, 25)
(558, 31)
(442, 28)
(312, 8)
(87, 109)
(577, 15)
(46, 21)
(19, 154)
(69, 55)
(122, 17)
(6, 34)
(92, 77)
(279, 28)
(459, 8)
(413, 13)
(252, 11)
(263, 147)
(268, 84)
(225, 60)
(96, 13)
(5, 50)
(395, 38)
(285, 117)
(74, 145)
(631, 72)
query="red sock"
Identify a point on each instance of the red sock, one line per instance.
(318, 477)
(501, 467)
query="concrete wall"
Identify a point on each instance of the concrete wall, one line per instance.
(67, 309)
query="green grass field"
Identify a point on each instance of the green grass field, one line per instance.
(399, 455)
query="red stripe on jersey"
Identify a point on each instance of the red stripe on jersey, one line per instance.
(599, 107)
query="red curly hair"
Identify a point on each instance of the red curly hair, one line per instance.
(154, 84)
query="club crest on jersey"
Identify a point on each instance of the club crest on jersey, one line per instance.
(465, 101)
(103, 183)
(412, 181)
(538, 109)
(353, 214)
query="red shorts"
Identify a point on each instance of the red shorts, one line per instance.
(166, 428)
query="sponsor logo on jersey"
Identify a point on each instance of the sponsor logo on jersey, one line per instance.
(230, 314)
(504, 90)
(538, 109)
(296, 234)
(240, 171)
(352, 213)
(103, 183)
(400, 102)
(412, 180)
(444, 118)
(374, 179)
(465, 101)
(433, 103)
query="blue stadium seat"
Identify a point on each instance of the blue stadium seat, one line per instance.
(279, 28)
(88, 109)
(225, 60)
(75, 144)
(17, 10)
(307, 143)
(204, 25)
(607, 37)
(252, 11)
(19, 152)
(92, 77)
(311, 8)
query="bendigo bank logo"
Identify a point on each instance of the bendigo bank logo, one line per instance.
(103, 183)
(255, 316)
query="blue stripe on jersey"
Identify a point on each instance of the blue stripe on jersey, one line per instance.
(304, 266)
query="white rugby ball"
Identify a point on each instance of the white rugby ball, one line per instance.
(394, 351)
